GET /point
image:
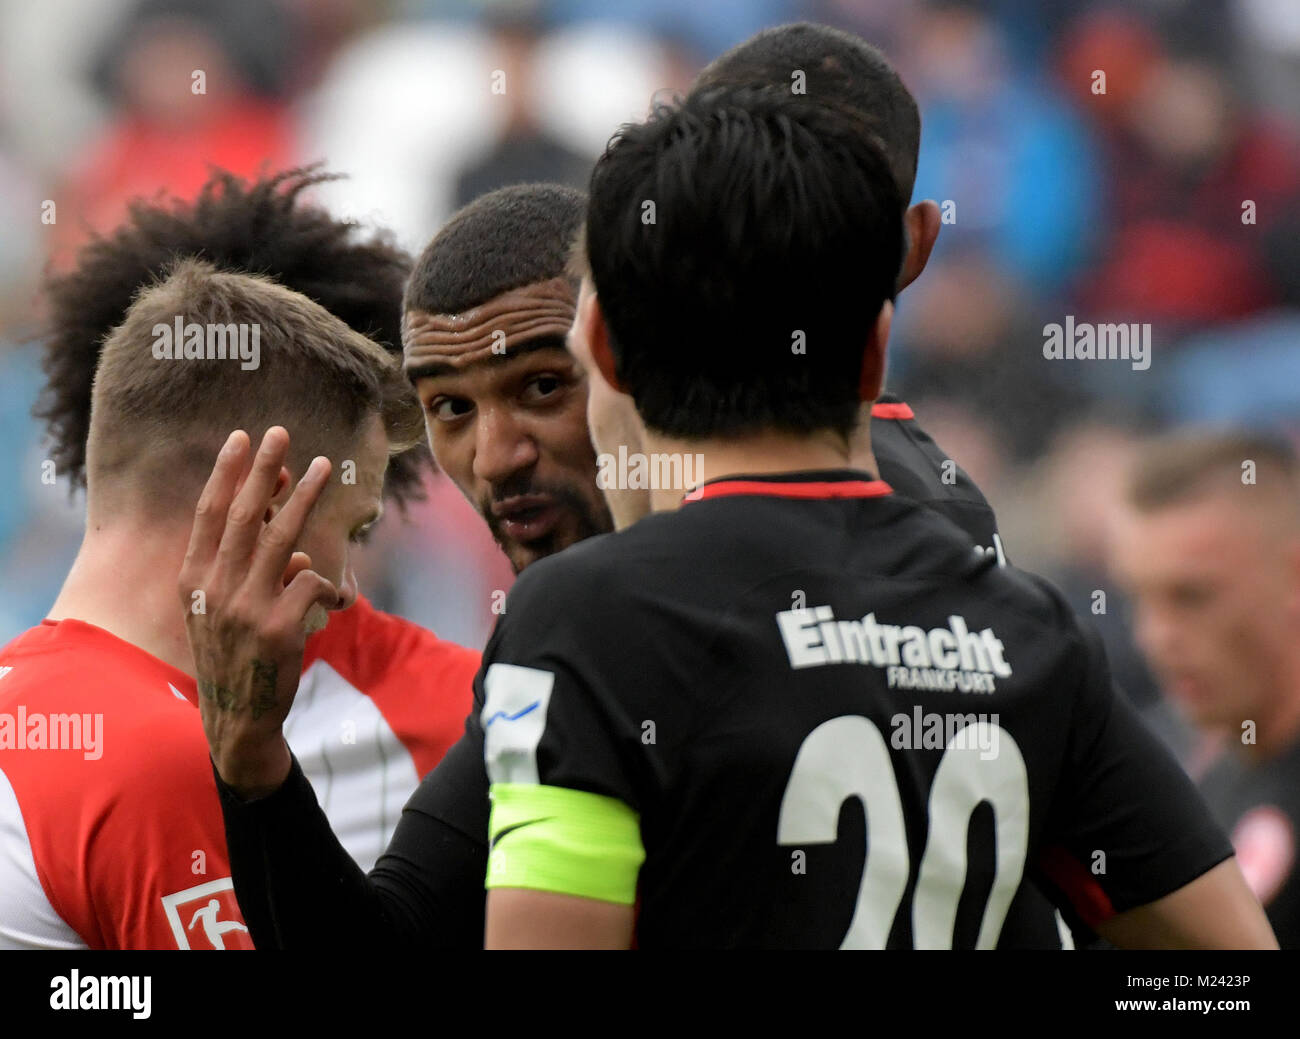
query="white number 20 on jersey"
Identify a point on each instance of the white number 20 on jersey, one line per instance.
(847, 757)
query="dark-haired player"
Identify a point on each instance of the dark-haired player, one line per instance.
(840, 69)
(360, 728)
(843, 70)
(672, 743)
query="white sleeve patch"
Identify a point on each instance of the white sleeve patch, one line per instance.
(513, 719)
(27, 920)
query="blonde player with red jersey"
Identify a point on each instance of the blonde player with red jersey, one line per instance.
(382, 698)
(110, 830)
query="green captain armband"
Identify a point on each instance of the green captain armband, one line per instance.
(569, 842)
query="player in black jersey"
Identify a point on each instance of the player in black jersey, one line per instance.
(678, 717)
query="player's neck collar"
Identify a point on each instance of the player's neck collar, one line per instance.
(820, 484)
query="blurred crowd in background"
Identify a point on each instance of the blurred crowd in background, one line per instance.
(1166, 193)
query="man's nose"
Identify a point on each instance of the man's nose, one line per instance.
(503, 445)
(348, 588)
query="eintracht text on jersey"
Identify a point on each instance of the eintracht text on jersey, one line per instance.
(945, 658)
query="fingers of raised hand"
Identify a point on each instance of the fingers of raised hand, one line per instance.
(275, 543)
(244, 517)
(211, 512)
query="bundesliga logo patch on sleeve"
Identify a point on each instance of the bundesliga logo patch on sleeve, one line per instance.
(207, 917)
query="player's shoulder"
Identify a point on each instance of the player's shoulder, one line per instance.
(916, 466)
(600, 586)
(580, 571)
(924, 549)
(86, 716)
(38, 647)
(75, 664)
(907, 452)
(1030, 595)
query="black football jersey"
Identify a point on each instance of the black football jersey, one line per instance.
(837, 725)
(916, 467)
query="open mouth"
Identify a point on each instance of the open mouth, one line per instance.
(527, 517)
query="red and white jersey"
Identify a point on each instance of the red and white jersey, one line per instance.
(111, 833)
(110, 829)
(380, 702)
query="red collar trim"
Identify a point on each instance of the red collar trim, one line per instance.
(823, 489)
(892, 409)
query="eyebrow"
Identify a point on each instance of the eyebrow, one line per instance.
(435, 369)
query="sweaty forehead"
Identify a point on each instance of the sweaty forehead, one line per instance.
(440, 344)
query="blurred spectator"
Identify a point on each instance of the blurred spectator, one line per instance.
(1197, 184)
(968, 333)
(1117, 42)
(322, 28)
(526, 151)
(1083, 488)
(194, 85)
(1014, 161)
(1209, 543)
(405, 109)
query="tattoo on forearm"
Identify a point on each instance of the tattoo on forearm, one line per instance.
(262, 699)
(223, 697)
(264, 679)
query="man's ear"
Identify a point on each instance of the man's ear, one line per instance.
(922, 222)
(873, 356)
(592, 320)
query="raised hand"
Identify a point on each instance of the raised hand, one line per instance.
(246, 595)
